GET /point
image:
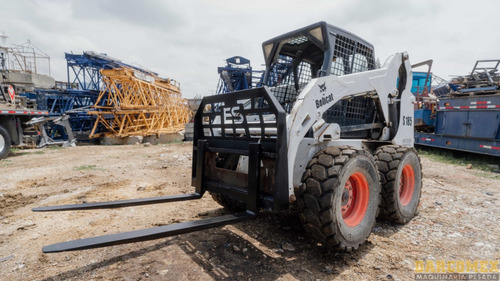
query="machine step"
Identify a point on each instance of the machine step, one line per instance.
(119, 203)
(147, 234)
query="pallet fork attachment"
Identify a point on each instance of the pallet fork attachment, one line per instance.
(138, 235)
(156, 232)
(146, 234)
(119, 203)
(206, 145)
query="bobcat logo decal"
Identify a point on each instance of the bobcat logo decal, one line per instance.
(322, 87)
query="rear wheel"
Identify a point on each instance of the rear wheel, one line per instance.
(339, 196)
(4, 143)
(401, 180)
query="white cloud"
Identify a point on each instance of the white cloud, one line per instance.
(188, 40)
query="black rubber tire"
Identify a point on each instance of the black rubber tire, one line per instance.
(390, 161)
(319, 198)
(229, 162)
(228, 202)
(5, 140)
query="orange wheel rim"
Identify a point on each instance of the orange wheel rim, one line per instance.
(354, 201)
(406, 185)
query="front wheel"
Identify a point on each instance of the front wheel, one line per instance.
(229, 162)
(4, 143)
(228, 202)
(339, 197)
(401, 180)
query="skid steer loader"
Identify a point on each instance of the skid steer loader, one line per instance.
(328, 133)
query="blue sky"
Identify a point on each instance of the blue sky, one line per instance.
(188, 40)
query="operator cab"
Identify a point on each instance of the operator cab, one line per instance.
(320, 49)
(317, 50)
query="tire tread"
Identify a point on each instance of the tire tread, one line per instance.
(388, 158)
(318, 218)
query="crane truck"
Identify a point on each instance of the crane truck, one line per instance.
(15, 115)
(17, 111)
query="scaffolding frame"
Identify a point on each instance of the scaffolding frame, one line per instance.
(28, 58)
(139, 104)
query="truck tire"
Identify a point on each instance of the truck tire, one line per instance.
(4, 143)
(339, 197)
(401, 180)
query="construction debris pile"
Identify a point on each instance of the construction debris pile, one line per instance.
(139, 104)
(463, 114)
(483, 79)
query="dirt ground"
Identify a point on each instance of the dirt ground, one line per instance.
(458, 220)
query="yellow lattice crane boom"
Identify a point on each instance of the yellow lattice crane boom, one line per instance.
(138, 104)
